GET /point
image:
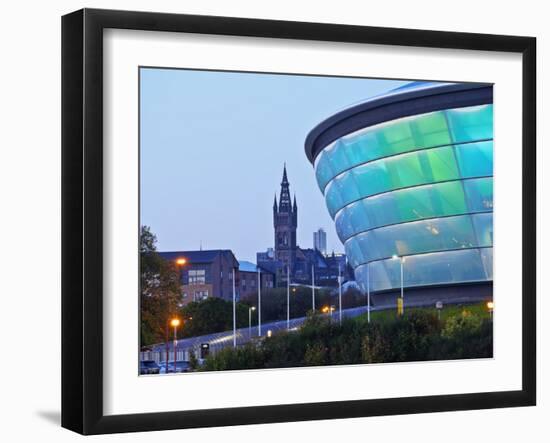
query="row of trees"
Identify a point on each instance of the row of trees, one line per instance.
(417, 336)
(274, 301)
(159, 291)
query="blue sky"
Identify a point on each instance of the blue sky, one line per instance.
(213, 145)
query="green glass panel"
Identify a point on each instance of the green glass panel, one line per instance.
(431, 201)
(441, 164)
(400, 171)
(448, 198)
(404, 135)
(406, 170)
(431, 130)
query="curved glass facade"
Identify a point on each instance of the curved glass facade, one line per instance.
(418, 187)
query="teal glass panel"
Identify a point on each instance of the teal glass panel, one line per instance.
(410, 204)
(447, 267)
(417, 237)
(479, 194)
(404, 135)
(336, 156)
(475, 159)
(471, 124)
(402, 171)
(483, 225)
(323, 171)
(333, 198)
(354, 253)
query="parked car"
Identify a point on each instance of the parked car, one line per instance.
(149, 367)
(181, 366)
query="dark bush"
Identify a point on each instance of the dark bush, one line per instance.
(417, 336)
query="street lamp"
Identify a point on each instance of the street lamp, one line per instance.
(368, 292)
(259, 303)
(401, 262)
(491, 307)
(234, 312)
(287, 298)
(250, 309)
(181, 261)
(313, 287)
(175, 322)
(340, 292)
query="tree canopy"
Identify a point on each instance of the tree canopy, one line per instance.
(159, 290)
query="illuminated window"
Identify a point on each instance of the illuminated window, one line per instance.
(197, 276)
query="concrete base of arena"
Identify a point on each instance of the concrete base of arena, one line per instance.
(428, 296)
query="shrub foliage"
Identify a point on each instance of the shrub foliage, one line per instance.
(417, 336)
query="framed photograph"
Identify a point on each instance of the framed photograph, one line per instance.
(269, 221)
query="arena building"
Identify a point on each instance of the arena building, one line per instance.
(408, 180)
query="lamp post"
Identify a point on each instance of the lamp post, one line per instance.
(439, 307)
(250, 309)
(401, 262)
(287, 298)
(234, 313)
(313, 287)
(259, 304)
(328, 310)
(368, 292)
(175, 322)
(340, 293)
(491, 307)
(180, 263)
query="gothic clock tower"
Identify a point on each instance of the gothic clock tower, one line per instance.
(285, 222)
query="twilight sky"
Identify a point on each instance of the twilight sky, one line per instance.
(213, 146)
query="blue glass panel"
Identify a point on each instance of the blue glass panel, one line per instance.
(479, 194)
(417, 237)
(483, 225)
(475, 159)
(471, 124)
(448, 267)
(487, 259)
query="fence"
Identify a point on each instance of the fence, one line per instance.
(159, 356)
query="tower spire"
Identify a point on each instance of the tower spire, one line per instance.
(285, 180)
(285, 222)
(284, 199)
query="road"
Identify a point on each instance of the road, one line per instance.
(220, 340)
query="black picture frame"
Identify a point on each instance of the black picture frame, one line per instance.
(82, 215)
